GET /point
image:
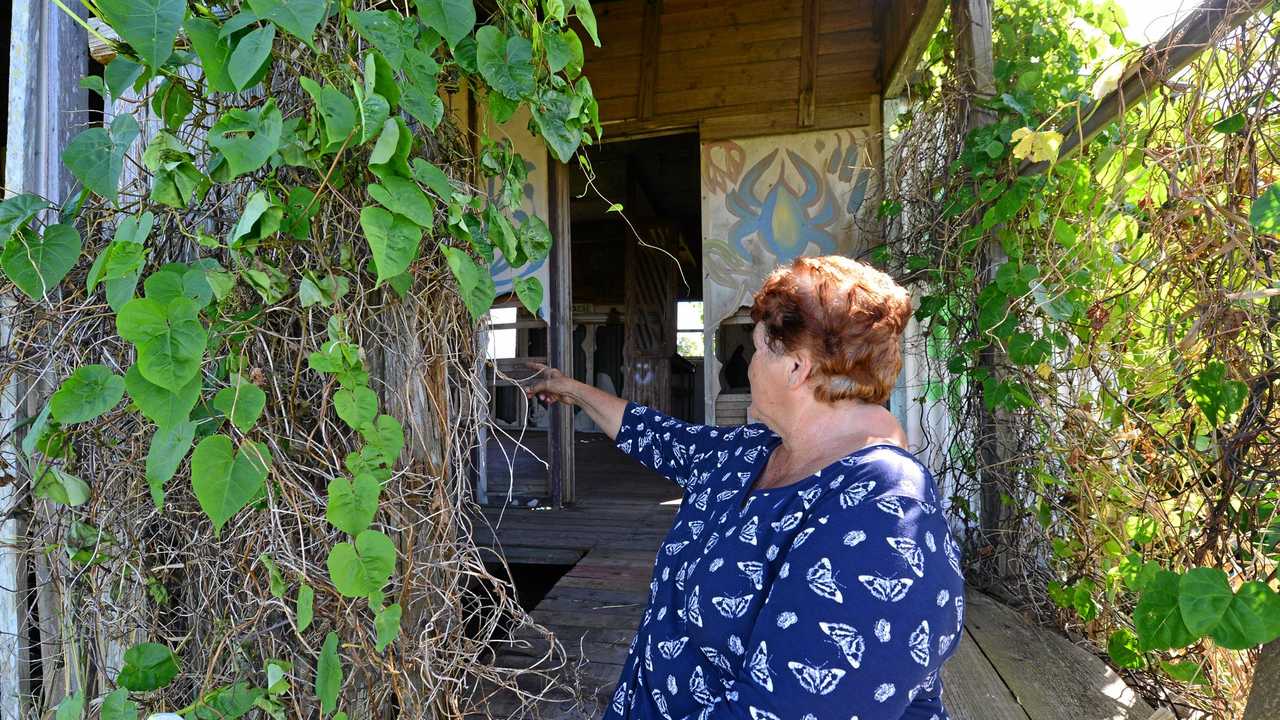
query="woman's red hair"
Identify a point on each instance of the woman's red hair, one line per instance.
(848, 316)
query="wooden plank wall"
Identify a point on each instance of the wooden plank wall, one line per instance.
(733, 69)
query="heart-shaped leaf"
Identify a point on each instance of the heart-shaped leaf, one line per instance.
(393, 239)
(387, 625)
(564, 52)
(60, 486)
(453, 19)
(247, 138)
(1252, 618)
(504, 62)
(362, 569)
(385, 436)
(87, 393)
(169, 337)
(213, 50)
(96, 156)
(37, 263)
(402, 196)
(16, 211)
(249, 60)
(478, 290)
(352, 505)
(1158, 618)
(1203, 597)
(147, 666)
(529, 290)
(299, 18)
(149, 26)
(117, 706)
(224, 483)
(169, 445)
(356, 406)
(390, 32)
(162, 406)
(243, 402)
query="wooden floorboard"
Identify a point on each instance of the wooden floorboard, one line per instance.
(1004, 668)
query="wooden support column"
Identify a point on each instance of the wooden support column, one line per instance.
(650, 37)
(560, 333)
(809, 62)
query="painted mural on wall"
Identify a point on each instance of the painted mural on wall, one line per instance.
(534, 202)
(769, 200)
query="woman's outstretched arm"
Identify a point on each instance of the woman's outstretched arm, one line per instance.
(551, 385)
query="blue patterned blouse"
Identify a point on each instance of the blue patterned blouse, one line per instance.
(835, 598)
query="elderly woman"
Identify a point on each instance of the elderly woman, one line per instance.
(809, 573)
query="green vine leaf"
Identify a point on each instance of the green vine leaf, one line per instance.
(178, 280)
(275, 581)
(149, 26)
(117, 706)
(17, 211)
(120, 75)
(1203, 597)
(353, 504)
(1264, 216)
(373, 111)
(247, 138)
(304, 606)
(535, 239)
(164, 407)
(147, 666)
(478, 290)
(433, 177)
(555, 116)
(1215, 394)
(393, 239)
(356, 406)
(96, 156)
(323, 291)
(214, 53)
(125, 255)
(1252, 618)
(329, 674)
(336, 110)
(586, 16)
(388, 31)
(420, 97)
(1122, 646)
(172, 103)
(398, 164)
(453, 19)
(403, 197)
(229, 702)
(299, 18)
(387, 625)
(169, 446)
(260, 220)
(169, 337)
(60, 486)
(71, 707)
(380, 78)
(37, 263)
(529, 290)
(564, 52)
(388, 140)
(385, 435)
(243, 402)
(249, 61)
(224, 483)
(505, 62)
(299, 207)
(87, 393)
(175, 179)
(362, 569)
(1158, 618)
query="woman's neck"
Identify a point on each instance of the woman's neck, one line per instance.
(818, 428)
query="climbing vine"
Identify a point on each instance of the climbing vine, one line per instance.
(1101, 333)
(299, 204)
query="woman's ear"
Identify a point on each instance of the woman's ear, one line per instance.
(799, 368)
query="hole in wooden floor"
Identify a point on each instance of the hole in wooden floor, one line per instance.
(531, 581)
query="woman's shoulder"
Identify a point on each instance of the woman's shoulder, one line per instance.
(883, 471)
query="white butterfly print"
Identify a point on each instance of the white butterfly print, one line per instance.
(725, 495)
(717, 659)
(748, 532)
(638, 410)
(853, 537)
(672, 687)
(910, 552)
(662, 612)
(928, 541)
(919, 643)
(715, 564)
(808, 496)
(695, 528)
(959, 612)
(943, 597)
(835, 482)
(785, 570)
(886, 589)
(822, 582)
(772, 552)
(819, 681)
(952, 550)
(884, 692)
(848, 639)
(882, 630)
(759, 666)
(625, 447)
(619, 696)
(711, 542)
(671, 648)
(735, 645)
(700, 501)
(692, 611)
(928, 508)
(732, 607)
(786, 619)
(891, 506)
(721, 457)
(747, 505)
(679, 452)
(648, 653)
(666, 573)
(802, 536)
(675, 547)
(788, 521)
(698, 688)
(754, 572)
(856, 493)
(661, 702)
(751, 432)
(758, 714)
(750, 455)
(944, 643)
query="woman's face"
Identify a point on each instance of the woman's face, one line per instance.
(767, 374)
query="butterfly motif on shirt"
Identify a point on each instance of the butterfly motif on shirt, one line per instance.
(751, 432)
(695, 528)
(952, 550)
(625, 446)
(717, 659)
(679, 451)
(944, 643)
(619, 696)
(725, 495)
(785, 570)
(715, 565)
(754, 572)
(735, 645)
(884, 692)
(919, 643)
(882, 630)
(856, 493)
(891, 505)
(959, 611)
(928, 541)
(711, 542)
(808, 496)
(671, 648)
(801, 537)
(944, 596)
(788, 521)
(819, 681)
(648, 653)
(698, 688)
(748, 532)
(661, 702)
(750, 455)
(759, 667)
(732, 607)
(700, 501)
(886, 589)
(853, 537)
(910, 552)
(786, 619)
(675, 547)
(822, 582)
(722, 457)
(758, 714)
(848, 639)
(692, 612)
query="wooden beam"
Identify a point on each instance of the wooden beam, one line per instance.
(560, 332)
(651, 36)
(809, 62)
(924, 23)
(1160, 61)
